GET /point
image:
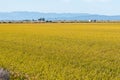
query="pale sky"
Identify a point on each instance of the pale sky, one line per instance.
(105, 7)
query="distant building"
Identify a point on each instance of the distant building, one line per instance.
(92, 20)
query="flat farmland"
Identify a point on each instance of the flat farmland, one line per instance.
(61, 51)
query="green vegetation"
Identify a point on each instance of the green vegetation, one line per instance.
(88, 51)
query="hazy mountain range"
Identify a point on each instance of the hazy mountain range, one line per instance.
(54, 16)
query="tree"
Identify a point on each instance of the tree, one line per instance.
(41, 19)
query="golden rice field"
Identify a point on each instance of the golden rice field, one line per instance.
(56, 51)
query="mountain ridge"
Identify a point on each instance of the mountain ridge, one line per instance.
(24, 15)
